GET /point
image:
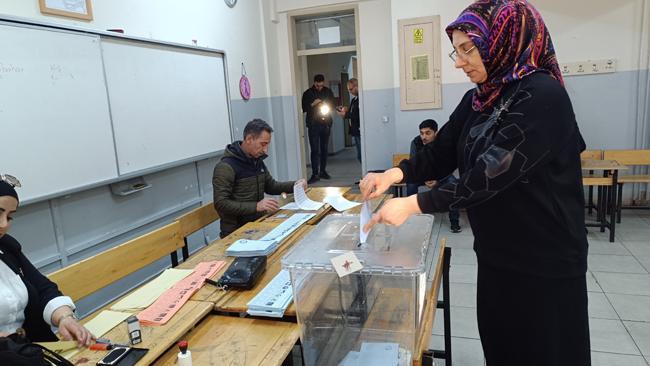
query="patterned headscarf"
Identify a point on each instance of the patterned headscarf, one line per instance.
(513, 42)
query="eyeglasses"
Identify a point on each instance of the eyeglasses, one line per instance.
(10, 179)
(454, 55)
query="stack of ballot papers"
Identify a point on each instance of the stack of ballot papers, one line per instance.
(269, 242)
(147, 294)
(251, 248)
(274, 299)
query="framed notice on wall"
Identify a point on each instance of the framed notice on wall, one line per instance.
(80, 9)
(419, 63)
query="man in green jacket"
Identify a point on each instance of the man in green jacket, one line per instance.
(241, 179)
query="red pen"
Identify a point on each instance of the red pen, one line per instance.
(100, 347)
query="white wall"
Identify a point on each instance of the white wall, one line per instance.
(605, 105)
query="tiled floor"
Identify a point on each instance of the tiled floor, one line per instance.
(618, 282)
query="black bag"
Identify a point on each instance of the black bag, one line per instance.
(243, 273)
(17, 351)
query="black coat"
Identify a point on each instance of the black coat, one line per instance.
(40, 290)
(520, 178)
(313, 115)
(353, 115)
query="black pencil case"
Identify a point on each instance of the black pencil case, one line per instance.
(243, 273)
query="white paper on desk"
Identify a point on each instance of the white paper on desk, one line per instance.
(250, 245)
(290, 206)
(364, 218)
(304, 202)
(105, 321)
(340, 204)
(147, 294)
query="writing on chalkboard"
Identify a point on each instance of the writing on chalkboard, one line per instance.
(10, 69)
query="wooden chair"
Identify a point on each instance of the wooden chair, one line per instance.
(629, 157)
(86, 277)
(595, 155)
(195, 220)
(399, 188)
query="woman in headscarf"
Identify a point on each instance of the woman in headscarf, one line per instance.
(29, 300)
(516, 143)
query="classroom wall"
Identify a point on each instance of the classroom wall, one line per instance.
(611, 109)
(67, 229)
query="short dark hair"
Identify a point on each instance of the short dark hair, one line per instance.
(256, 127)
(319, 78)
(353, 81)
(429, 123)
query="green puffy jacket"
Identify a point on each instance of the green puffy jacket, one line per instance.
(238, 183)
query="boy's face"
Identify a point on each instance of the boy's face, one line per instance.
(427, 135)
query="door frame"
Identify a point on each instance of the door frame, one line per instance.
(300, 80)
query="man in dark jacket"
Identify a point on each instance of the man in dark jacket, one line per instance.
(428, 131)
(318, 102)
(240, 179)
(352, 113)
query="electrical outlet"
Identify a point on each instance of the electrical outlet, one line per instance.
(588, 67)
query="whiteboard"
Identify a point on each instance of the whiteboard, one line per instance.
(167, 103)
(54, 114)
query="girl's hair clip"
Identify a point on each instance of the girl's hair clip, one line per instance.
(11, 180)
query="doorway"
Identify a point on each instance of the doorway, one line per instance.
(324, 41)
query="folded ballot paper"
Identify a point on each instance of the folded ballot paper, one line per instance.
(269, 242)
(377, 354)
(274, 299)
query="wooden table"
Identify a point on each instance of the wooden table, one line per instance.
(607, 196)
(228, 340)
(236, 301)
(157, 339)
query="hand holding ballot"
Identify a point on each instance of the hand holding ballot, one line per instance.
(394, 212)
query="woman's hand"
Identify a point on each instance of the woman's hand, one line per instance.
(69, 327)
(374, 184)
(394, 212)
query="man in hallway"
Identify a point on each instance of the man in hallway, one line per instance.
(318, 102)
(241, 179)
(352, 113)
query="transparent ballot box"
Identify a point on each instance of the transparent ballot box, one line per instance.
(369, 317)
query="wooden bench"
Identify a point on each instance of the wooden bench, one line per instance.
(89, 275)
(591, 155)
(629, 157)
(194, 221)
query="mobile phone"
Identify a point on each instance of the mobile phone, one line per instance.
(114, 356)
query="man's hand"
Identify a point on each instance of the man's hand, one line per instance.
(374, 184)
(267, 205)
(430, 183)
(302, 182)
(342, 111)
(394, 212)
(316, 102)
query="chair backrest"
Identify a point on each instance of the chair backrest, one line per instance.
(89, 275)
(197, 219)
(629, 157)
(397, 158)
(592, 154)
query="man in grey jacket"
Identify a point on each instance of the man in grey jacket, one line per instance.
(241, 179)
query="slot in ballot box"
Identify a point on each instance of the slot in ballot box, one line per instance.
(345, 320)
